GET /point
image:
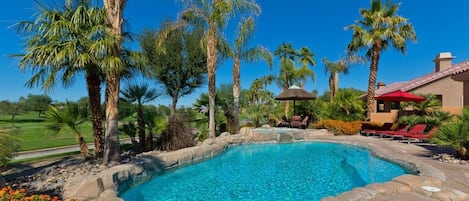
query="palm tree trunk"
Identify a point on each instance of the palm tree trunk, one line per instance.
(114, 20)
(93, 83)
(141, 127)
(211, 67)
(83, 147)
(236, 93)
(372, 79)
(111, 147)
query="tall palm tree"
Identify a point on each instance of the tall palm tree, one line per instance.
(286, 77)
(334, 68)
(139, 94)
(66, 119)
(239, 52)
(306, 58)
(378, 28)
(214, 14)
(59, 47)
(113, 65)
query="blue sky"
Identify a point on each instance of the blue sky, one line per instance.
(441, 26)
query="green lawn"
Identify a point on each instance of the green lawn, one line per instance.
(32, 133)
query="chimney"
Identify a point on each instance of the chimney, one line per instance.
(381, 85)
(443, 61)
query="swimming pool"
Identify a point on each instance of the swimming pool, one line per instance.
(294, 171)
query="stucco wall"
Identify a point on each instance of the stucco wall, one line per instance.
(451, 91)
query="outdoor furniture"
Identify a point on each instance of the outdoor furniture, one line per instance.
(417, 129)
(283, 122)
(401, 128)
(295, 122)
(304, 123)
(367, 129)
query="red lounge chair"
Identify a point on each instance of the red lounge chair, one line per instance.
(402, 128)
(417, 129)
(368, 129)
(425, 136)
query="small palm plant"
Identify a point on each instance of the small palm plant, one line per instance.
(65, 119)
(455, 134)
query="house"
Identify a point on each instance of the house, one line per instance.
(440, 83)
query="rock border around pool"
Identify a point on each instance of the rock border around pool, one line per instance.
(105, 185)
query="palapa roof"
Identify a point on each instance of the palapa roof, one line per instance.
(295, 93)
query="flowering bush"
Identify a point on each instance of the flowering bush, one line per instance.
(9, 194)
(340, 127)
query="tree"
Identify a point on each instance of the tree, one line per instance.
(139, 94)
(113, 67)
(306, 58)
(59, 47)
(214, 15)
(239, 52)
(11, 108)
(182, 66)
(427, 107)
(335, 68)
(348, 106)
(38, 103)
(287, 68)
(378, 28)
(66, 119)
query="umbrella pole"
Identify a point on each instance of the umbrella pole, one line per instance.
(294, 107)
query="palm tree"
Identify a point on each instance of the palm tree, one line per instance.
(214, 14)
(59, 47)
(239, 52)
(379, 28)
(113, 65)
(66, 119)
(305, 57)
(266, 80)
(287, 68)
(334, 68)
(139, 94)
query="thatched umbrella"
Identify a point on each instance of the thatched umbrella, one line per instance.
(295, 93)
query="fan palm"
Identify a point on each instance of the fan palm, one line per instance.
(287, 68)
(214, 15)
(455, 134)
(335, 68)
(238, 53)
(113, 66)
(306, 58)
(67, 119)
(139, 94)
(61, 45)
(378, 28)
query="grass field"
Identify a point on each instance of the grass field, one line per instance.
(30, 130)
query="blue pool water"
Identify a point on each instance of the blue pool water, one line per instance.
(297, 171)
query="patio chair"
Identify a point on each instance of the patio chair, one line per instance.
(367, 129)
(400, 129)
(304, 122)
(423, 136)
(283, 122)
(417, 129)
(295, 122)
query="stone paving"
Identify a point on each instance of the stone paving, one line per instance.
(435, 180)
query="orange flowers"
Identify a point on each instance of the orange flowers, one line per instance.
(340, 127)
(9, 194)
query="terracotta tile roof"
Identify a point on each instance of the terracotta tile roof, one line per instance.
(420, 81)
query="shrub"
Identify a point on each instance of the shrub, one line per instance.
(9, 146)
(178, 135)
(340, 127)
(7, 194)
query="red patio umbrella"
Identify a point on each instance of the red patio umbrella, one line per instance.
(401, 96)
